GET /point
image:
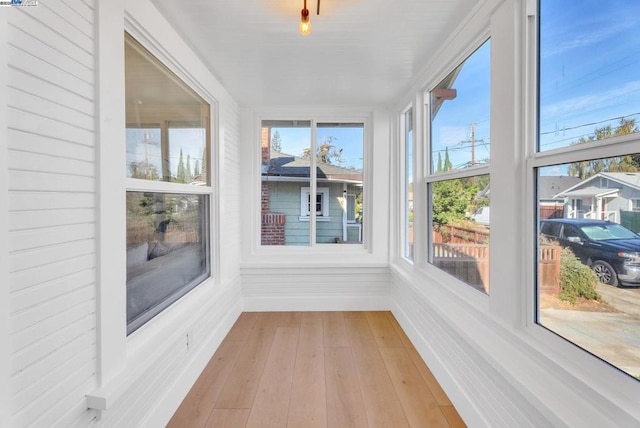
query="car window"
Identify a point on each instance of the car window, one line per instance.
(550, 229)
(570, 231)
(608, 231)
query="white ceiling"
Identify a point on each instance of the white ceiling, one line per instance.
(360, 52)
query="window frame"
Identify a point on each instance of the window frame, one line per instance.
(173, 188)
(315, 116)
(115, 350)
(430, 177)
(599, 375)
(405, 251)
(351, 210)
(305, 199)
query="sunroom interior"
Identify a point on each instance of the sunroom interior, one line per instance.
(161, 161)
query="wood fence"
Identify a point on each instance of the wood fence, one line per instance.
(469, 262)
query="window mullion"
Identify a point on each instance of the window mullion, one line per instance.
(313, 186)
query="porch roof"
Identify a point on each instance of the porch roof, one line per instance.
(590, 192)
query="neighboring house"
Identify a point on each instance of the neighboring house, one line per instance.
(551, 205)
(603, 196)
(285, 180)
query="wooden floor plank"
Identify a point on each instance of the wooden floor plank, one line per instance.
(399, 331)
(287, 319)
(285, 369)
(198, 405)
(454, 419)
(419, 405)
(345, 407)
(272, 400)
(380, 401)
(245, 377)
(359, 332)
(382, 330)
(335, 330)
(308, 406)
(243, 326)
(227, 418)
(430, 380)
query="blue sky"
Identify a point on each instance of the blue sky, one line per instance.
(589, 67)
(349, 139)
(451, 127)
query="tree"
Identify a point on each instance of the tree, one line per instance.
(143, 170)
(447, 162)
(276, 142)
(181, 176)
(188, 175)
(196, 168)
(452, 200)
(203, 170)
(626, 163)
(439, 167)
(326, 153)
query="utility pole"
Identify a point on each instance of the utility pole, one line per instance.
(472, 140)
(472, 136)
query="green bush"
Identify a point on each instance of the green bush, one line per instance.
(576, 279)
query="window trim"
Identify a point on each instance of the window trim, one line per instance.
(169, 188)
(305, 195)
(429, 176)
(404, 191)
(317, 115)
(599, 375)
(115, 350)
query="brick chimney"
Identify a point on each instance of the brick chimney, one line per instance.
(272, 224)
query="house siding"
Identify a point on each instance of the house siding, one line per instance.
(285, 198)
(52, 213)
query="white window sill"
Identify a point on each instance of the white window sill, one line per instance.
(318, 218)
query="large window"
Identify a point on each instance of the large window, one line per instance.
(457, 179)
(168, 187)
(587, 170)
(297, 169)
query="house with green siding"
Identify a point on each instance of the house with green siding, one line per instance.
(287, 205)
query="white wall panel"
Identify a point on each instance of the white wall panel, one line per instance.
(323, 288)
(57, 17)
(24, 81)
(22, 220)
(27, 121)
(40, 294)
(51, 212)
(27, 239)
(51, 109)
(50, 200)
(42, 274)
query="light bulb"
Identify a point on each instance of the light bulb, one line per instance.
(305, 23)
(305, 27)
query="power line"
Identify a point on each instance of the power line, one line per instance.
(589, 124)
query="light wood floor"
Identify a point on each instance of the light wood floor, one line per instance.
(316, 369)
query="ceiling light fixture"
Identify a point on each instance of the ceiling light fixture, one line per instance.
(305, 24)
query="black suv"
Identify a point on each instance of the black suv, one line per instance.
(612, 251)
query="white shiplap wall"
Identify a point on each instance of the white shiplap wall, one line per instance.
(52, 210)
(51, 181)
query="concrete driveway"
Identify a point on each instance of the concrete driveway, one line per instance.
(614, 337)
